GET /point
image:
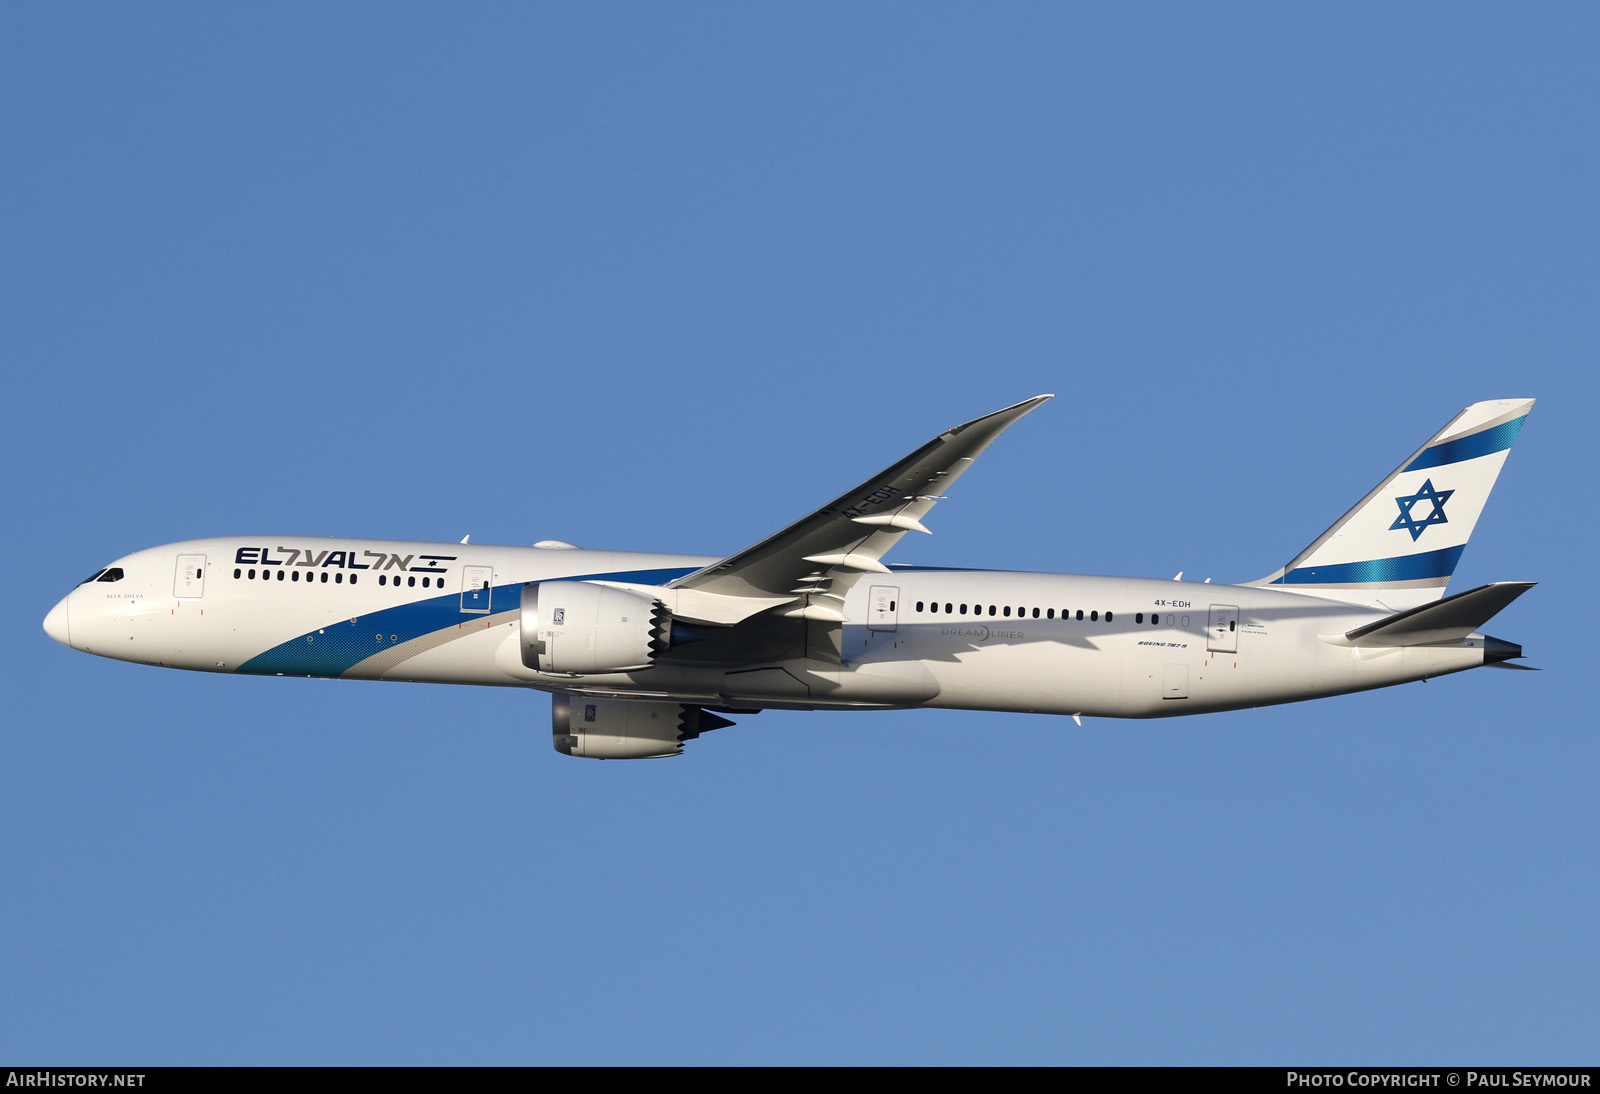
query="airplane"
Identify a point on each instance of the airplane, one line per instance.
(643, 652)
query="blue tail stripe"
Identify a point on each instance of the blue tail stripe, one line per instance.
(1440, 563)
(1498, 439)
(338, 647)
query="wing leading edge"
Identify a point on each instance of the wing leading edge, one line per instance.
(851, 534)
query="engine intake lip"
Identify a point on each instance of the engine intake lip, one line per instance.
(532, 645)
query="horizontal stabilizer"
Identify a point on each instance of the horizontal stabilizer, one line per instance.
(1447, 620)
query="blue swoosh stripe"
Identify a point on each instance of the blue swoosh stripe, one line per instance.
(335, 649)
(1440, 563)
(1498, 439)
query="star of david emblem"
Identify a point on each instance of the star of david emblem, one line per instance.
(1408, 520)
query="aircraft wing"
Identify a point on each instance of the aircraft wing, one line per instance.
(851, 534)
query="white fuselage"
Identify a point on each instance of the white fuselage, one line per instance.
(987, 640)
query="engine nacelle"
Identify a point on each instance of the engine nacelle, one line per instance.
(580, 627)
(618, 729)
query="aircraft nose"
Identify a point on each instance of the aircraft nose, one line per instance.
(55, 624)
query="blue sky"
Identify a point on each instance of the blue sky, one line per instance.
(668, 277)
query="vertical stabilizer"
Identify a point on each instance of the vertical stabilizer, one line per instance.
(1401, 542)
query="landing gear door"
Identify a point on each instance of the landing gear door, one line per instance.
(189, 583)
(1222, 635)
(883, 607)
(476, 582)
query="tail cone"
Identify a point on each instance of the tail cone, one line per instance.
(1494, 650)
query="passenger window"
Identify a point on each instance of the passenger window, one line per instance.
(324, 577)
(1080, 615)
(338, 578)
(252, 575)
(1036, 613)
(991, 609)
(1108, 617)
(411, 581)
(1051, 614)
(353, 578)
(1138, 617)
(1094, 617)
(1007, 612)
(963, 608)
(280, 575)
(236, 573)
(295, 576)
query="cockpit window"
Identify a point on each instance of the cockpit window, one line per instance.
(92, 577)
(113, 574)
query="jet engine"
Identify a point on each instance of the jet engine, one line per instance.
(580, 627)
(619, 729)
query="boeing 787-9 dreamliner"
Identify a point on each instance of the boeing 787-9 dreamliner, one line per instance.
(643, 652)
